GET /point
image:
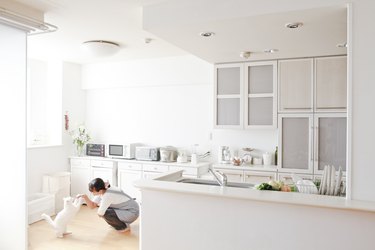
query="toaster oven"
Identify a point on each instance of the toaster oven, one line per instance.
(93, 149)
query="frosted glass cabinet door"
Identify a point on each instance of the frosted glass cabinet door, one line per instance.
(260, 111)
(331, 82)
(295, 136)
(330, 141)
(228, 93)
(296, 85)
(260, 89)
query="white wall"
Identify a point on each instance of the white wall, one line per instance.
(165, 101)
(13, 137)
(47, 160)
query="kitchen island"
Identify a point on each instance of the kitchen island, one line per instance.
(191, 216)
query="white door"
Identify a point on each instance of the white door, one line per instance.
(80, 178)
(228, 106)
(330, 141)
(296, 85)
(330, 84)
(260, 94)
(125, 181)
(296, 143)
(105, 174)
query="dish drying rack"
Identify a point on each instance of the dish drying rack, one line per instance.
(332, 185)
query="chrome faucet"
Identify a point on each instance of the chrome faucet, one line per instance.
(220, 177)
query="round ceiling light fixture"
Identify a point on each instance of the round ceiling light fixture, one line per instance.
(245, 54)
(207, 34)
(293, 25)
(101, 48)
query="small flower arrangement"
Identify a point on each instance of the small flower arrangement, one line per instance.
(80, 137)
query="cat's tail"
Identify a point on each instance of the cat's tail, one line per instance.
(48, 219)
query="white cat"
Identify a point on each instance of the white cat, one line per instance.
(71, 207)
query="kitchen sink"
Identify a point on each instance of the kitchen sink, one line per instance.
(215, 183)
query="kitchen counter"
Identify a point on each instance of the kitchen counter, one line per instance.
(187, 164)
(166, 183)
(212, 217)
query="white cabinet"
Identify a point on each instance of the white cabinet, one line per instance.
(287, 178)
(104, 169)
(308, 142)
(80, 176)
(228, 93)
(233, 175)
(312, 84)
(295, 85)
(330, 83)
(295, 143)
(254, 175)
(260, 94)
(127, 174)
(330, 141)
(257, 177)
(245, 95)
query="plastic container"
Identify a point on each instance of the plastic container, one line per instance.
(57, 184)
(39, 203)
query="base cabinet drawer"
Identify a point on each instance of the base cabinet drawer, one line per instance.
(256, 177)
(232, 175)
(155, 168)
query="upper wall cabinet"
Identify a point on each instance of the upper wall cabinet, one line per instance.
(260, 94)
(228, 96)
(308, 85)
(296, 85)
(245, 95)
(330, 83)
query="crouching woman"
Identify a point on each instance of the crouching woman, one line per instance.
(117, 208)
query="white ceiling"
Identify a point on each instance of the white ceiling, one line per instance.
(122, 21)
(118, 21)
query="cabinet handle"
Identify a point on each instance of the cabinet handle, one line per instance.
(312, 147)
(316, 143)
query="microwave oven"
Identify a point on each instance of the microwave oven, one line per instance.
(147, 154)
(126, 151)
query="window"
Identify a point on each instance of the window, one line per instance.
(44, 103)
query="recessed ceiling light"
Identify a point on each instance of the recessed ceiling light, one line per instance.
(207, 34)
(293, 25)
(270, 50)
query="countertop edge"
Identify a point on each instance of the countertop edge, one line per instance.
(260, 196)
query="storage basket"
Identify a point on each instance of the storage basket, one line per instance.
(57, 184)
(39, 203)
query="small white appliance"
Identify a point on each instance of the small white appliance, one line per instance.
(126, 151)
(147, 153)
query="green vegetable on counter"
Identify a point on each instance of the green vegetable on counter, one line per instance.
(264, 186)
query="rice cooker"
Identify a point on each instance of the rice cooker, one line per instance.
(168, 154)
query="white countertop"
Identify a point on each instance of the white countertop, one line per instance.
(178, 164)
(252, 194)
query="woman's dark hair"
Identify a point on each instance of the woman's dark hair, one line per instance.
(96, 185)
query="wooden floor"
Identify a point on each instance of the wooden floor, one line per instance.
(88, 232)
